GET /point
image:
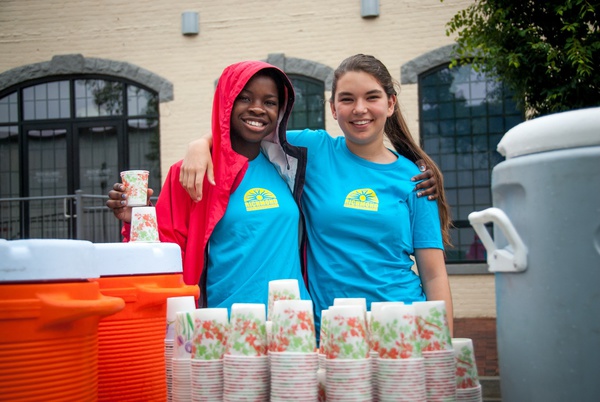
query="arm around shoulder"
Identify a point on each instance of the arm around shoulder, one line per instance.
(197, 164)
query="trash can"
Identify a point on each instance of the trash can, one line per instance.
(546, 257)
(131, 344)
(49, 315)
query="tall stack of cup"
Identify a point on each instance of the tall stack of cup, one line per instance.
(323, 341)
(468, 388)
(174, 305)
(374, 332)
(436, 346)
(348, 366)
(400, 373)
(211, 326)
(246, 363)
(181, 363)
(292, 352)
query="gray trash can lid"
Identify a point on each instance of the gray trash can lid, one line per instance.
(572, 129)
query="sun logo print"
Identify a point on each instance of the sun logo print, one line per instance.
(363, 198)
(256, 199)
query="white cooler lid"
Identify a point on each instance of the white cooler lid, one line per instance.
(137, 258)
(46, 259)
(572, 129)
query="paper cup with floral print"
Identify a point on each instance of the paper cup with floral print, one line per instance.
(466, 367)
(350, 301)
(324, 332)
(144, 226)
(282, 289)
(175, 304)
(293, 327)
(432, 324)
(394, 331)
(184, 333)
(211, 326)
(373, 322)
(248, 333)
(347, 333)
(136, 187)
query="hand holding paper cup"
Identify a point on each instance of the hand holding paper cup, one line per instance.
(136, 187)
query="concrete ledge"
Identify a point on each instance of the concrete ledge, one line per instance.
(468, 269)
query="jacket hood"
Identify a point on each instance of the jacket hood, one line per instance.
(232, 81)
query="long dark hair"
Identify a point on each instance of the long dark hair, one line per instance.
(396, 128)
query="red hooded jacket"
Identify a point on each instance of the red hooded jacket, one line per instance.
(190, 224)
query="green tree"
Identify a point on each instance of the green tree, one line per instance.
(546, 51)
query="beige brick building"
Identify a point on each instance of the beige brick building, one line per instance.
(142, 42)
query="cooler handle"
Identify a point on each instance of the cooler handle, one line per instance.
(512, 258)
(147, 294)
(58, 308)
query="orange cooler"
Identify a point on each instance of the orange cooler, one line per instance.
(131, 365)
(49, 315)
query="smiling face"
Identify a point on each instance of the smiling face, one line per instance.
(361, 107)
(254, 115)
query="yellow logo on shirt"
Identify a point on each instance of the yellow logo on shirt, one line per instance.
(363, 198)
(256, 199)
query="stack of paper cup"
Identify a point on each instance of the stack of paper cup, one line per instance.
(211, 326)
(322, 356)
(468, 387)
(292, 352)
(375, 331)
(436, 346)
(182, 356)
(174, 304)
(323, 336)
(246, 363)
(400, 373)
(348, 366)
(281, 289)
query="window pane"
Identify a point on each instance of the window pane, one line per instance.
(144, 149)
(98, 154)
(98, 98)
(47, 101)
(472, 113)
(141, 102)
(9, 112)
(309, 105)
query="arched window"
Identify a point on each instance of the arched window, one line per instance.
(309, 110)
(60, 135)
(463, 115)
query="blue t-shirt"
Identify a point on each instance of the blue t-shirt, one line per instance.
(364, 221)
(256, 241)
